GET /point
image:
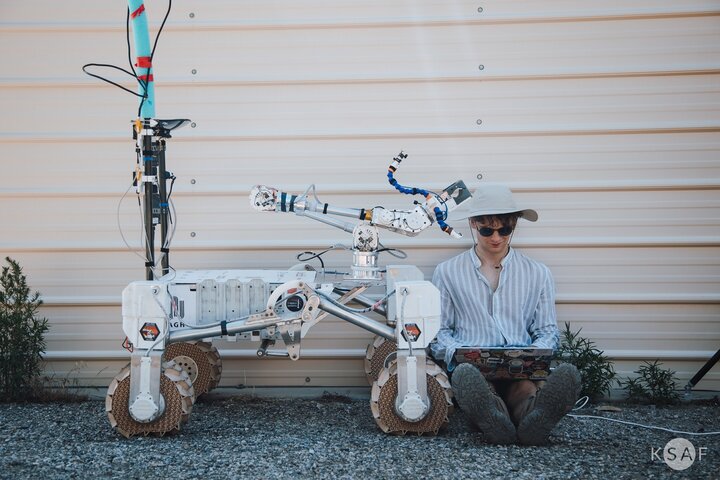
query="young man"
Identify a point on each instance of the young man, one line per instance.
(493, 295)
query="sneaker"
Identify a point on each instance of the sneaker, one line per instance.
(553, 401)
(479, 403)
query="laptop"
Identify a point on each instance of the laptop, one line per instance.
(511, 363)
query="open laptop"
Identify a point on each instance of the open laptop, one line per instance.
(512, 363)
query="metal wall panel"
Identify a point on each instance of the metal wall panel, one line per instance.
(603, 116)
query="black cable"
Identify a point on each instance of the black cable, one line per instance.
(106, 65)
(312, 256)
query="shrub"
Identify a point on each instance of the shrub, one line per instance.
(596, 369)
(21, 335)
(653, 384)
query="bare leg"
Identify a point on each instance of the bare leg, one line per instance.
(520, 398)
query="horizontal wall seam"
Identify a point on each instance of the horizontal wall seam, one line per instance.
(382, 188)
(389, 241)
(181, 82)
(198, 26)
(360, 353)
(73, 137)
(561, 299)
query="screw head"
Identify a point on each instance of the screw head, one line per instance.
(192, 234)
(193, 125)
(479, 121)
(193, 71)
(481, 67)
(480, 9)
(193, 181)
(192, 15)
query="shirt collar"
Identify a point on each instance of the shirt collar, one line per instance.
(477, 263)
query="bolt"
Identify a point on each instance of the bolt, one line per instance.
(479, 176)
(479, 121)
(307, 379)
(480, 9)
(193, 125)
(193, 71)
(481, 67)
(192, 234)
(192, 15)
(193, 181)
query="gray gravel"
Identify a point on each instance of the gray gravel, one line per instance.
(336, 437)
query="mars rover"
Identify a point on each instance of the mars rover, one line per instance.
(171, 319)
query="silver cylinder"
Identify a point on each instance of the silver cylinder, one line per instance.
(365, 266)
(358, 320)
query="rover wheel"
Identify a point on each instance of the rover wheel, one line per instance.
(200, 360)
(385, 391)
(176, 390)
(375, 356)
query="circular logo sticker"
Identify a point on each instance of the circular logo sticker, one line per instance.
(679, 454)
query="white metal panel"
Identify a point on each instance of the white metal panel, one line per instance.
(603, 116)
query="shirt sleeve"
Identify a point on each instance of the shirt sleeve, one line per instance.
(543, 329)
(444, 346)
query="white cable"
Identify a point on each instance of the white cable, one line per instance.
(122, 235)
(652, 427)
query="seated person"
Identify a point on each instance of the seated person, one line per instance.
(494, 296)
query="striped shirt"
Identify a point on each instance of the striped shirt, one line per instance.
(519, 313)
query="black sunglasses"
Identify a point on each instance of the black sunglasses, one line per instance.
(488, 232)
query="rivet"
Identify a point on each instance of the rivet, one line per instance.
(479, 176)
(307, 379)
(192, 234)
(193, 181)
(481, 67)
(192, 15)
(193, 125)
(479, 121)
(193, 71)
(480, 9)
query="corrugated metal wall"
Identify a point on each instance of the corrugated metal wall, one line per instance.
(603, 116)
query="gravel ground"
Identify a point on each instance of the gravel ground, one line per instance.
(336, 437)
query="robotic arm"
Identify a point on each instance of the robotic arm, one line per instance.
(434, 208)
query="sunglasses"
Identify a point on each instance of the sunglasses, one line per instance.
(488, 232)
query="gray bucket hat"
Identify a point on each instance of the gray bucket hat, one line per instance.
(492, 199)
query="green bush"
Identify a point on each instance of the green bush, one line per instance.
(596, 369)
(21, 335)
(653, 384)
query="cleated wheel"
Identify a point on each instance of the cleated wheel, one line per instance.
(200, 360)
(385, 391)
(177, 391)
(375, 356)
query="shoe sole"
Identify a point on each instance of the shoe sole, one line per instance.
(552, 403)
(477, 401)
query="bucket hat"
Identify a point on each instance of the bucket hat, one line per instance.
(492, 199)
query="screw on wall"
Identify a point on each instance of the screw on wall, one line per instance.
(481, 67)
(193, 125)
(192, 15)
(193, 71)
(192, 234)
(480, 9)
(478, 121)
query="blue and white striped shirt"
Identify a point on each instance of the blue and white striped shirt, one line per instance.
(519, 313)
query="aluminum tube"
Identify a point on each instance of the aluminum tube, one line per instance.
(362, 322)
(346, 226)
(369, 302)
(239, 326)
